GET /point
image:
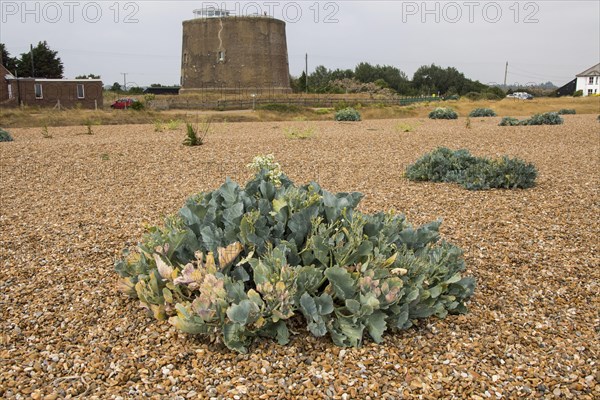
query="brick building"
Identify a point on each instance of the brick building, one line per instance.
(69, 93)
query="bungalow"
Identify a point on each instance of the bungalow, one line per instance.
(85, 93)
(589, 81)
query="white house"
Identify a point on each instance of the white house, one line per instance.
(589, 81)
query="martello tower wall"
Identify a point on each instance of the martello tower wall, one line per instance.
(234, 54)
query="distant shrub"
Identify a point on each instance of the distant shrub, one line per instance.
(566, 111)
(137, 106)
(482, 112)
(578, 93)
(5, 136)
(473, 96)
(509, 121)
(473, 173)
(278, 107)
(347, 114)
(443, 113)
(452, 97)
(549, 118)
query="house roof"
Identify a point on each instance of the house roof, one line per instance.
(593, 71)
(54, 80)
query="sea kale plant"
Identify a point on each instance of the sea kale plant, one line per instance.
(482, 112)
(509, 121)
(347, 114)
(240, 263)
(473, 173)
(549, 118)
(443, 113)
(5, 136)
(567, 111)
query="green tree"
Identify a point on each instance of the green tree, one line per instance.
(116, 87)
(319, 80)
(135, 90)
(88, 76)
(45, 62)
(5, 59)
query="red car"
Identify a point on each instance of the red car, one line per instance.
(123, 103)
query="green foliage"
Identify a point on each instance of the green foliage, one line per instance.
(173, 124)
(45, 62)
(45, 133)
(279, 107)
(549, 118)
(88, 76)
(137, 106)
(196, 136)
(238, 263)
(430, 79)
(9, 62)
(158, 126)
(482, 112)
(5, 136)
(347, 114)
(404, 127)
(578, 93)
(473, 173)
(565, 111)
(452, 97)
(443, 113)
(509, 121)
(294, 132)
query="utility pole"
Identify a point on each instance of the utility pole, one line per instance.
(306, 73)
(124, 81)
(505, 74)
(32, 65)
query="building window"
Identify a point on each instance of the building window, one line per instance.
(221, 56)
(10, 93)
(590, 91)
(591, 80)
(185, 58)
(80, 91)
(39, 94)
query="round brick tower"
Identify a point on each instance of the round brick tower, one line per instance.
(234, 54)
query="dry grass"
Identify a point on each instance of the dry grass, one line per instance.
(34, 117)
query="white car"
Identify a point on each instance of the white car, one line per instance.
(520, 96)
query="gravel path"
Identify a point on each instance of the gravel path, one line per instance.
(71, 203)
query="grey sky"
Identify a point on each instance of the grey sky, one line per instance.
(541, 40)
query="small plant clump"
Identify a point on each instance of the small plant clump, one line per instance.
(482, 112)
(5, 136)
(196, 136)
(347, 114)
(473, 173)
(45, 133)
(241, 263)
(159, 126)
(443, 113)
(294, 132)
(403, 127)
(509, 121)
(173, 124)
(137, 106)
(566, 111)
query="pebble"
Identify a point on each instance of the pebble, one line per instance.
(66, 215)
